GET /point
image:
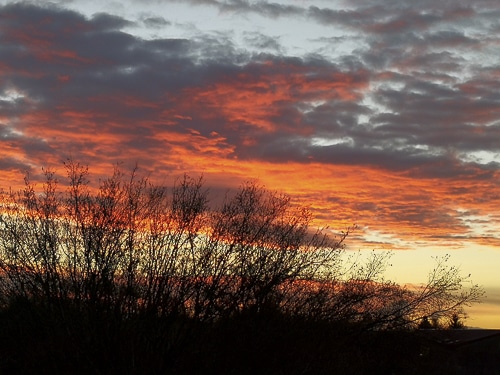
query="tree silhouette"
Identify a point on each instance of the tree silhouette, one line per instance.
(455, 322)
(126, 252)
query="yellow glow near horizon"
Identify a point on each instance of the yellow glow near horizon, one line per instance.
(481, 262)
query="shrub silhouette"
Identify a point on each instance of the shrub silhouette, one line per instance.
(143, 272)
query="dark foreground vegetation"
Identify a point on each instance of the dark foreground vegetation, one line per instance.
(36, 340)
(130, 277)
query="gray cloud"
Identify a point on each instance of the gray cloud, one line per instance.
(407, 100)
(262, 42)
(156, 22)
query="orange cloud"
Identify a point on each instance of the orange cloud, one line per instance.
(257, 98)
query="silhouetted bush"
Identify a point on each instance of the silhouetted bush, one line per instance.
(130, 277)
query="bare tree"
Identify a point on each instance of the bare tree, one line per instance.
(126, 246)
(363, 297)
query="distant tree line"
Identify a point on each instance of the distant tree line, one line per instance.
(125, 251)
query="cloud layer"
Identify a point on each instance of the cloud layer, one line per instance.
(389, 119)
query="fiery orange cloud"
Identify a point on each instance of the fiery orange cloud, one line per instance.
(340, 196)
(256, 99)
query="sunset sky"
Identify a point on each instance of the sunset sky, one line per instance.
(384, 114)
